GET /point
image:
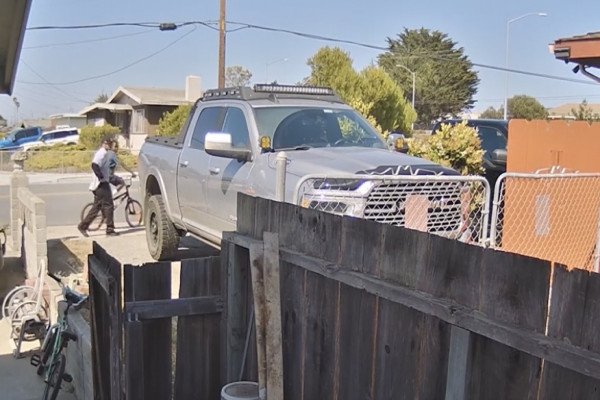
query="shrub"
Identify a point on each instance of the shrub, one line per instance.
(171, 122)
(91, 136)
(457, 147)
(69, 158)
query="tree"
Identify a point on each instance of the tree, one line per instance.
(237, 76)
(526, 107)
(101, 98)
(372, 91)
(585, 113)
(171, 123)
(445, 80)
(492, 113)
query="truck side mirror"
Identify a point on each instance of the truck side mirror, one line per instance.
(397, 142)
(219, 144)
(499, 156)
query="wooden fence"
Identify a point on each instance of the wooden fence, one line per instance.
(372, 311)
(140, 351)
(368, 311)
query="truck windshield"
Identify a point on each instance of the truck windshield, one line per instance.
(303, 127)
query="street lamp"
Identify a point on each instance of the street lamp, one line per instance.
(538, 14)
(17, 104)
(271, 63)
(413, 88)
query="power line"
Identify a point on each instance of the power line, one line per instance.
(70, 96)
(118, 69)
(87, 41)
(243, 25)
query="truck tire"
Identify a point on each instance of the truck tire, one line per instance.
(161, 235)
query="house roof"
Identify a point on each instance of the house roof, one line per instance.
(565, 109)
(106, 106)
(13, 20)
(580, 49)
(150, 96)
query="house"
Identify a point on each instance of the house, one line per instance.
(137, 111)
(583, 50)
(74, 120)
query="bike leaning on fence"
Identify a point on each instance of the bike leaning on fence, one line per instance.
(133, 208)
(51, 359)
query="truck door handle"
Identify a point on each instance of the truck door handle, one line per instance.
(214, 171)
(183, 164)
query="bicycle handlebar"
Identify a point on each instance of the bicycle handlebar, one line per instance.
(72, 297)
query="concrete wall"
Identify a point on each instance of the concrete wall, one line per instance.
(79, 357)
(32, 223)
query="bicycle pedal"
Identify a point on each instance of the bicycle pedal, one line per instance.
(67, 378)
(35, 360)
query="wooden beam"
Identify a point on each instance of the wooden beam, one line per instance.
(166, 308)
(258, 290)
(458, 364)
(102, 276)
(273, 339)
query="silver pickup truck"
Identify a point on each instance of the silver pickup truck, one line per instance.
(230, 144)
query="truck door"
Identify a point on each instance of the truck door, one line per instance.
(192, 169)
(228, 176)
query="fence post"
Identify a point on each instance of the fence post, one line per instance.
(495, 210)
(280, 168)
(597, 251)
(458, 363)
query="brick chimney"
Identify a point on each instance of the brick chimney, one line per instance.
(193, 88)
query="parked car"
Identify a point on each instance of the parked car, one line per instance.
(230, 144)
(63, 136)
(493, 134)
(17, 138)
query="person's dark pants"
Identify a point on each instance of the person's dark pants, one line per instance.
(103, 202)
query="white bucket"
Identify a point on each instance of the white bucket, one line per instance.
(240, 391)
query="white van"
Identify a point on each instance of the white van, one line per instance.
(66, 135)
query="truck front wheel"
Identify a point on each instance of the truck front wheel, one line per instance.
(161, 235)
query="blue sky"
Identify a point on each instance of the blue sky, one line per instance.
(51, 58)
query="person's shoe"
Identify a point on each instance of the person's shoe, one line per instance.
(82, 230)
(112, 233)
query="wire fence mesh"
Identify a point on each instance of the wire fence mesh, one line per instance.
(550, 216)
(451, 206)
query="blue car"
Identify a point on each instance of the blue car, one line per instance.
(17, 138)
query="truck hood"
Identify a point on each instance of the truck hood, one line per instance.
(357, 160)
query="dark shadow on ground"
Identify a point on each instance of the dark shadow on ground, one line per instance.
(190, 247)
(62, 261)
(13, 274)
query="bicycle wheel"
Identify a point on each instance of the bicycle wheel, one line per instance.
(97, 222)
(133, 213)
(55, 377)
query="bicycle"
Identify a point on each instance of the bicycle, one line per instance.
(51, 360)
(133, 208)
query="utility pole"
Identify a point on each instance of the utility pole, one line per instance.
(222, 46)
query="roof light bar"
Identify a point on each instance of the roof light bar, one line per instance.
(291, 89)
(222, 92)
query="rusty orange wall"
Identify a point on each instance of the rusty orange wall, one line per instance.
(572, 206)
(534, 145)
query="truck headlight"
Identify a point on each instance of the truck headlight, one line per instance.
(338, 196)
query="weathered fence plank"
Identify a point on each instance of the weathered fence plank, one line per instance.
(197, 371)
(236, 292)
(458, 364)
(104, 275)
(574, 317)
(152, 282)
